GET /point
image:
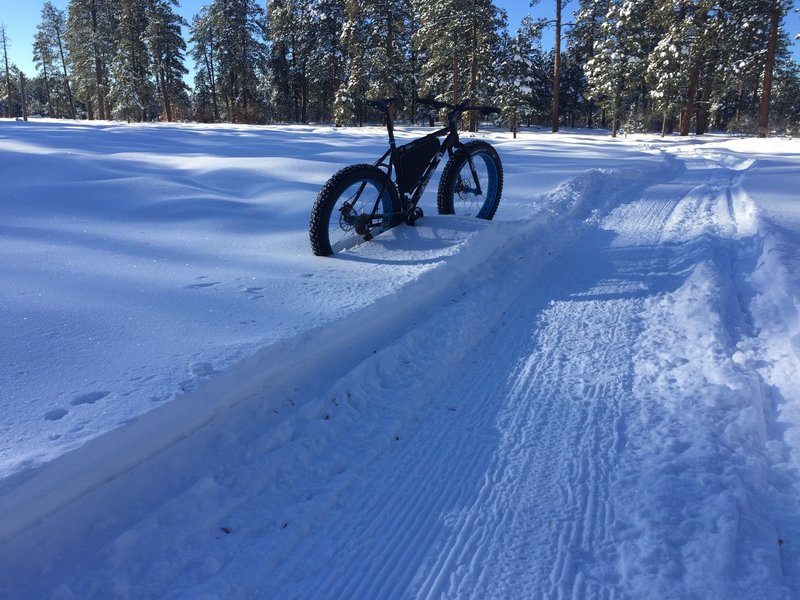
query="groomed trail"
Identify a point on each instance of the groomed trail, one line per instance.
(597, 423)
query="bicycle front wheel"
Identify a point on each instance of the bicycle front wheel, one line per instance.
(467, 193)
(357, 203)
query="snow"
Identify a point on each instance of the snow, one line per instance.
(593, 396)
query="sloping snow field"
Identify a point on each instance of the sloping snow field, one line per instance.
(596, 395)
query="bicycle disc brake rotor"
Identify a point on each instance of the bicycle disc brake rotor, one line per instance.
(463, 190)
(348, 217)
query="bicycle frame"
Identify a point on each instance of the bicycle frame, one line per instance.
(410, 198)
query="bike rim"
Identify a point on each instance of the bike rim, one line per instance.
(342, 226)
(466, 201)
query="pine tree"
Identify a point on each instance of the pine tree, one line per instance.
(460, 43)
(589, 19)
(166, 46)
(303, 53)
(616, 67)
(7, 71)
(44, 60)
(281, 22)
(377, 53)
(348, 105)
(668, 65)
(52, 28)
(91, 37)
(520, 96)
(693, 25)
(743, 39)
(573, 101)
(556, 67)
(238, 31)
(776, 12)
(40, 97)
(326, 63)
(131, 89)
(204, 52)
(785, 109)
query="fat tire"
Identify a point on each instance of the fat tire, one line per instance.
(447, 197)
(322, 220)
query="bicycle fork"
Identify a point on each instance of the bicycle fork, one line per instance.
(463, 188)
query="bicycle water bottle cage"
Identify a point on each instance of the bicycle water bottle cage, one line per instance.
(413, 158)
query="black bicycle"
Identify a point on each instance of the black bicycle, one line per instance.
(361, 201)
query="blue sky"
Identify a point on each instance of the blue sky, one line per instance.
(21, 18)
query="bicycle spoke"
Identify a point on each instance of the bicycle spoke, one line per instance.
(470, 193)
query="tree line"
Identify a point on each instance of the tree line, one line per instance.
(633, 65)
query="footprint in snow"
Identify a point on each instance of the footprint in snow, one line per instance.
(89, 398)
(201, 369)
(194, 286)
(254, 292)
(56, 414)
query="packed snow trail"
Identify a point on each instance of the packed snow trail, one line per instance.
(578, 425)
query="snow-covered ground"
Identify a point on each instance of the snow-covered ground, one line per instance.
(593, 396)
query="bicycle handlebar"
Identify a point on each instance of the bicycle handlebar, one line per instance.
(457, 108)
(383, 103)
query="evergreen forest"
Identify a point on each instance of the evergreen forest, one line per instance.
(664, 66)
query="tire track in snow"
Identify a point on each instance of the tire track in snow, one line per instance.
(510, 505)
(540, 518)
(550, 497)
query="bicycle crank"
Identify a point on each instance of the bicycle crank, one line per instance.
(413, 215)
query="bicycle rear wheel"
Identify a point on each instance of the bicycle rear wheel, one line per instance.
(342, 216)
(460, 194)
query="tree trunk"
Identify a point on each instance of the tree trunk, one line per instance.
(705, 102)
(22, 94)
(615, 115)
(98, 69)
(305, 93)
(454, 75)
(691, 93)
(473, 80)
(162, 82)
(66, 77)
(766, 90)
(556, 61)
(8, 74)
(50, 112)
(209, 60)
(389, 50)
